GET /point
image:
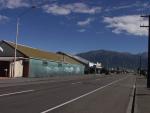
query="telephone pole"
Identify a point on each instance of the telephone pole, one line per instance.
(17, 36)
(140, 66)
(148, 68)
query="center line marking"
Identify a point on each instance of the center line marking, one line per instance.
(76, 83)
(98, 79)
(84, 95)
(16, 93)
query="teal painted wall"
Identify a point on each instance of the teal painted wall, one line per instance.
(43, 68)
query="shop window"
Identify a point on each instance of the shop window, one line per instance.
(45, 63)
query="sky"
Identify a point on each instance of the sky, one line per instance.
(76, 26)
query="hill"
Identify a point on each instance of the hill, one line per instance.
(113, 59)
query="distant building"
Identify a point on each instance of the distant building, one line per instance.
(32, 62)
(90, 67)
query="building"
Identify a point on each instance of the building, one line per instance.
(32, 62)
(90, 67)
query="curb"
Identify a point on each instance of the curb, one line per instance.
(131, 104)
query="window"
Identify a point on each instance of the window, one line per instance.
(59, 64)
(45, 63)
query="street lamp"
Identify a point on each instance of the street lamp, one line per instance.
(17, 35)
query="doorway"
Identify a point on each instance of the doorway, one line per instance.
(4, 68)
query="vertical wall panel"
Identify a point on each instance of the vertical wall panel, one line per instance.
(43, 68)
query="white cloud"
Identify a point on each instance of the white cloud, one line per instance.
(85, 22)
(83, 8)
(127, 24)
(66, 9)
(138, 5)
(56, 10)
(3, 18)
(11, 4)
(119, 7)
(81, 30)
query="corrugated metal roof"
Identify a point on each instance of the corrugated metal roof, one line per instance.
(40, 54)
(81, 60)
(36, 53)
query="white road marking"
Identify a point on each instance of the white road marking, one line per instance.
(76, 83)
(129, 109)
(16, 93)
(84, 95)
(98, 79)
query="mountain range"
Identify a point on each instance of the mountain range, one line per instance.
(113, 59)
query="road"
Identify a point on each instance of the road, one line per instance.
(102, 94)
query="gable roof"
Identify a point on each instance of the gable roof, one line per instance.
(77, 58)
(35, 53)
(82, 59)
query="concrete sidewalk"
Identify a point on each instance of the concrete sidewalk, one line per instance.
(5, 82)
(142, 96)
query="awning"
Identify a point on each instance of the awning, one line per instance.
(10, 59)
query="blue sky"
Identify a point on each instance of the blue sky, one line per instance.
(76, 26)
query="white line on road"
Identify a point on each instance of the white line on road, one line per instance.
(98, 79)
(77, 98)
(129, 109)
(76, 83)
(16, 93)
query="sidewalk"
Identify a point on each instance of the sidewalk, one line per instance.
(142, 96)
(5, 82)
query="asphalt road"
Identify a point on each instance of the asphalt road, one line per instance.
(100, 94)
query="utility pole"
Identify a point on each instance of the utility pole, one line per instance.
(140, 65)
(16, 41)
(17, 36)
(148, 68)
